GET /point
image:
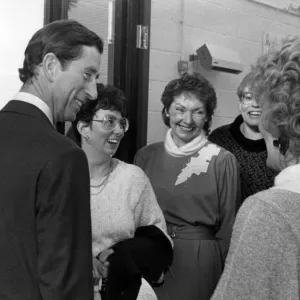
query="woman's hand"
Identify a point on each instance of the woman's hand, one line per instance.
(96, 270)
(103, 264)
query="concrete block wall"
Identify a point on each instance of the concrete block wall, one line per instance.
(179, 27)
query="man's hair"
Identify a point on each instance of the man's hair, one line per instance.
(63, 38)
(194, 84)
(277, 88)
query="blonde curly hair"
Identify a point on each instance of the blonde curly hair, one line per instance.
(276, 86)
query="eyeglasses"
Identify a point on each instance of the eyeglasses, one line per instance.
(110, 122)
(247, 99)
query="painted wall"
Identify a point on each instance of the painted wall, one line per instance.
(179, 27)
(18, 22)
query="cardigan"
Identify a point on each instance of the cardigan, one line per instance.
(263, 259)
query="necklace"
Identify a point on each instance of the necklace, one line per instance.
(102, 184)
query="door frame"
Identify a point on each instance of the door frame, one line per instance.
(129, 65)
(131, 71)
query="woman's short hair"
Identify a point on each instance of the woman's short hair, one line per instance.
(246, 82)
(277, 88)
(109, 98)
(198, 86)
(64, 38)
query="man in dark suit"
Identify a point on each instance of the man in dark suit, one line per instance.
(45, 225)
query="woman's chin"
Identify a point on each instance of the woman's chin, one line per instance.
(187, 137)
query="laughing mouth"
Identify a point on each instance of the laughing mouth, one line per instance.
(186, 128)
(255, 113)
(113, 141)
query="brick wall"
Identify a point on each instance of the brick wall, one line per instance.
(179, 27)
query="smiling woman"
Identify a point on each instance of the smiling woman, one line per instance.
(244, 139)
(197, 186)
(187, 117)
(122, 199)
(264, 250)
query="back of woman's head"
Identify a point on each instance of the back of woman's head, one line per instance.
(109, 98)
(277, 88)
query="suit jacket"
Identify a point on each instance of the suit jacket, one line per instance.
(45, 225)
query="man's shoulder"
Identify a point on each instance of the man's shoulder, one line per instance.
(51, 145)
(59, 144)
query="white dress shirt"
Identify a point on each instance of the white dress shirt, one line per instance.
(40, 104)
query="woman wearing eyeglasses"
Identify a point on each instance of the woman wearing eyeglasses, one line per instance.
(197, 186)
(264, 255)
(244, 140)
(122, 199)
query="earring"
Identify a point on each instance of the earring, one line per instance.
(282, 143)
(165, 113)
(87, 139)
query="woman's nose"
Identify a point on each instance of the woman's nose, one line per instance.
(119, 130)
(255, 103)
(188, 118)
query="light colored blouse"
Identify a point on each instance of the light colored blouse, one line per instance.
(126, 202)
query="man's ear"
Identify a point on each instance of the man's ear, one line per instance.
(51, 65)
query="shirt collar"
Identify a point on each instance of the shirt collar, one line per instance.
(40, 104)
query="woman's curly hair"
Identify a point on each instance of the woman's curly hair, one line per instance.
(195, 84)
(109, 98)
(277, 88)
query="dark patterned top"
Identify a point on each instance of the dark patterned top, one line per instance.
(251, 155)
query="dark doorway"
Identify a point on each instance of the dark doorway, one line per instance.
(131, 69)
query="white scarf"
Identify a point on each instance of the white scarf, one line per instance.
(195, 145)
(288, 179)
